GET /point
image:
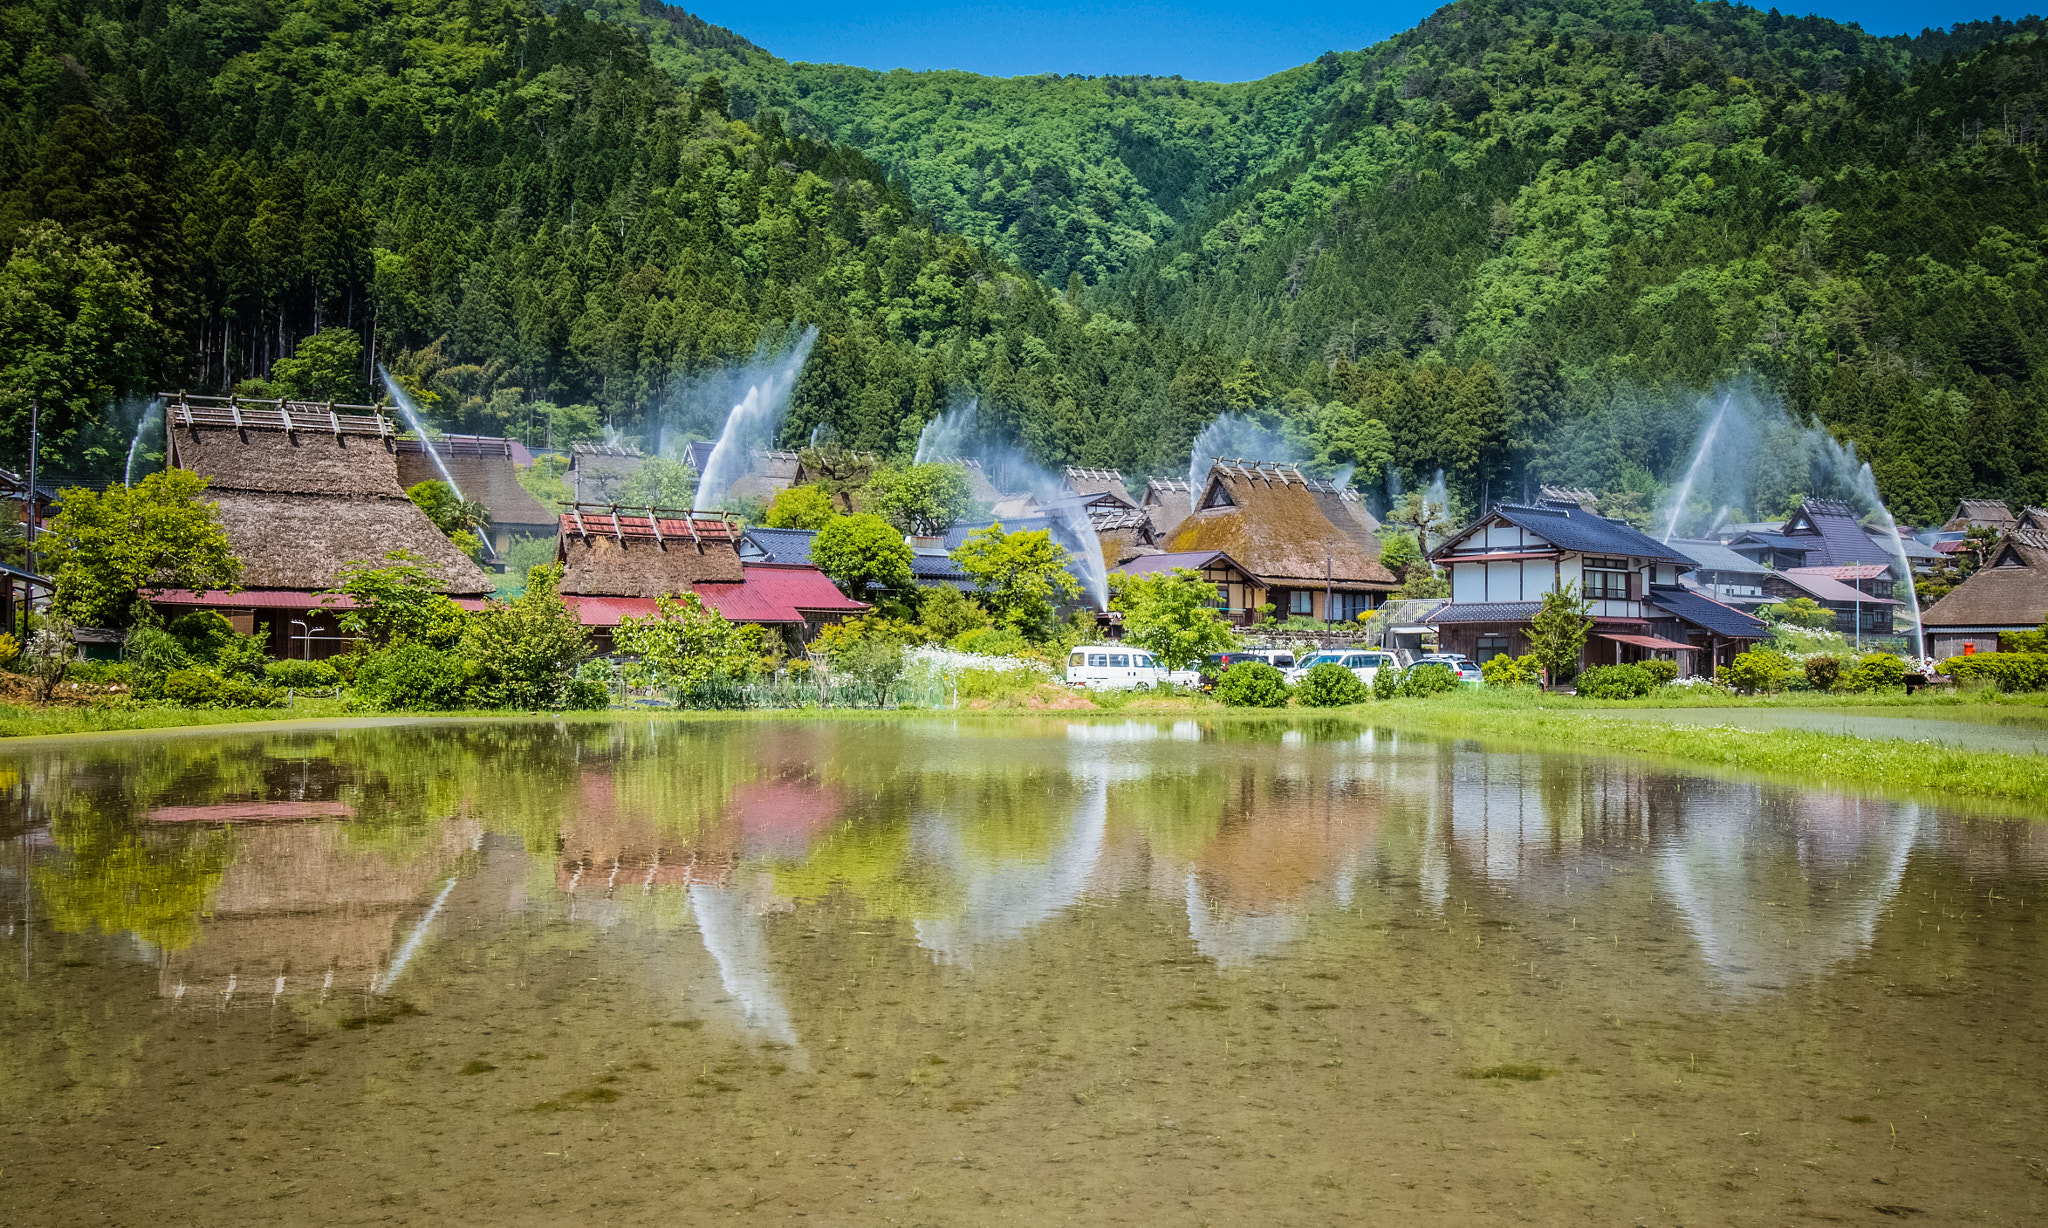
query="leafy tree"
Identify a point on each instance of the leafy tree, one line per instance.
(526, 653)
(685, 645)
(1557, 635)
(326, 366)
(659, 482)
(1172, 615)
(1800, 612)
(859, 551)
(800, 507)
(921, 500)
(397, 601)
(1021, 577)
(946, 613)
(107, 549)
(75, 333)
(1252, 684)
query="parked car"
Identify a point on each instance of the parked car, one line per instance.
(1363, 664)
(1103, 668)
(1460, 664)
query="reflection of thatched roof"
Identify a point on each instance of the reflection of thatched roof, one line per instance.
(628, 555)
(2010, 590)
(1283, 526)
(482, 468)
(299, 503)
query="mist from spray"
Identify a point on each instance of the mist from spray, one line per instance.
(957, 435)
(1234, 438)
(150, 412)
(412, 419)
(755, 417)
(1756, 461)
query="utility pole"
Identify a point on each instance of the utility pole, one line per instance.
(35, 427)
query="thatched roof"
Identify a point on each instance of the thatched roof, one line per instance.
(628, 555)
(303, 541)
(1283, 526)
(482, 468)
(979, 488)
(304, 489)
(1098, 482)
(1980, 513)
(2010, 590)
(1166, 501)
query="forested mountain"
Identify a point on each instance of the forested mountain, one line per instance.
(1518, 241)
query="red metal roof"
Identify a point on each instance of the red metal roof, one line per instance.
(771, 593)
(707, 527)
(275, 599)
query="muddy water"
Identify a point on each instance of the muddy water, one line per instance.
(905, 973)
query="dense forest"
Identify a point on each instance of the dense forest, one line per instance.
(1521, 241)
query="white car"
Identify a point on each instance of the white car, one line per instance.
(1362, 664)
(1102, 667)
(1459, 664)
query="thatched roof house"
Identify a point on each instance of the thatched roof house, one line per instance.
(1980, 514)
(1167, 501)
(1087, 482)
(482, 467)
(2008, 593)
(1309, 548)
(598, 471)
(616, 563)
(303, 489)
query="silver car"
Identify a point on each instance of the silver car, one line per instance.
(1363, 664)
(1459, 664)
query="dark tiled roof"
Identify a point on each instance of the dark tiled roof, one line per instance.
(1485, 612)
(1707, 613)
(784, 545)
(1714, 556)
(1840, 538)
(1584, 532)
(1195, 560)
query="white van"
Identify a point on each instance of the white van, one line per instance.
(1103, 666)
(1364, 665)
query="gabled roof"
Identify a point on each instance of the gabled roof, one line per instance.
(482, 468)
(1578, 531)
(697, 454)
(1987, 513)
(607, 554)
(1838, 538)
(1098, 482)
(1167, 501)
(1281, 526)
(1194, 560)
(1706, 613)
(1713, 556)
(2010, 590)
(1821, 588)
(776, 593)
(2033, 518)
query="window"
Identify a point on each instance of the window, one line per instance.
(1283, 660)
(1097, 660)
(1357, 660)
(1223, 596)
(1606, 580)
(1487, 647)
(1079, 658)
(1144, 661)
(1348, 606)
(1300, 601)
(1119, 660)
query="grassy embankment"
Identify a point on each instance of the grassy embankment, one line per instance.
(1507, 718)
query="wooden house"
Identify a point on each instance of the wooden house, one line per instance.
(1832, 537)
(482, 468)
(616, 564)
(1721, 574)
(1502, 565)
(303, 489)
(1980, 514)
(1099, 482)
(1239, 593)
(1308, 548)
(2009, 593)
(1851, 592)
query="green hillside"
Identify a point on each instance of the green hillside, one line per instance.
(1518, 241)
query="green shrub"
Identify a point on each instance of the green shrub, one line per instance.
(1823, 671)
(102, 673)
(1252, 684)
(409, 676)
(1875, 672)
(302, 675)
(1428, 679)
(1662, 673)
(1757, 671)
(1329, 685)
(2009, 671)
(1617, 682)
(872, 661)
(591, 688)
(994, 683)
(991, 641)
(1505, 670)
(1386, 682)
(201, 687)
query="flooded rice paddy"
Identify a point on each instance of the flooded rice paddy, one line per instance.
(1006, 972)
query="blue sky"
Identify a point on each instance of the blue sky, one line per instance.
(1203, 40)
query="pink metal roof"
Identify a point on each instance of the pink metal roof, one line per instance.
(771, 593)
(1847, 571)
(1824, 588)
